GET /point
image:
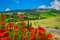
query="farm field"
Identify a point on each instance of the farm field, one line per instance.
(50, 22)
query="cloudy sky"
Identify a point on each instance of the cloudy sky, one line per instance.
(7, 5)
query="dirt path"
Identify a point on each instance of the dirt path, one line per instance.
(56, 33)
(53, 30)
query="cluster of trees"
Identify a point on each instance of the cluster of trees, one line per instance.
(40, 15)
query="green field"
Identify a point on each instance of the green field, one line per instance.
(50, 22)
(49, 19)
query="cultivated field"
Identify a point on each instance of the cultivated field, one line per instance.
(50, 22)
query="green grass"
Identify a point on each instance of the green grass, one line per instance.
(50, 22)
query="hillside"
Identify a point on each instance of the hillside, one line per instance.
(53, 22)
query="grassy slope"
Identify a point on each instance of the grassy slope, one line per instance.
(50, 22)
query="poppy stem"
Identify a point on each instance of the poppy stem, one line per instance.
(28, 23)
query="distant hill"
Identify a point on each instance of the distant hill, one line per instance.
(34, 10)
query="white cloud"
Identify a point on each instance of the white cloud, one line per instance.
(7, 9)
(55, 5)
(42, 6)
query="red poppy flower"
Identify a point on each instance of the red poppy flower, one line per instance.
(3, 16)
(5, 38)
(23, 29)
(16, 27)
(6, 35)
(20, 17)
(2, 22)
(33, 37)
(43, 36)
(23, 23)
(31, 27)
(3, 31)
(15, 36)
(16, 30)
(41, 30)
(27, 31)
(10, 25)
(1, 34)
(49, 36)
(37, 30)
(26, 38)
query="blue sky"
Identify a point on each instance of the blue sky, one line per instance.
(22, 4)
